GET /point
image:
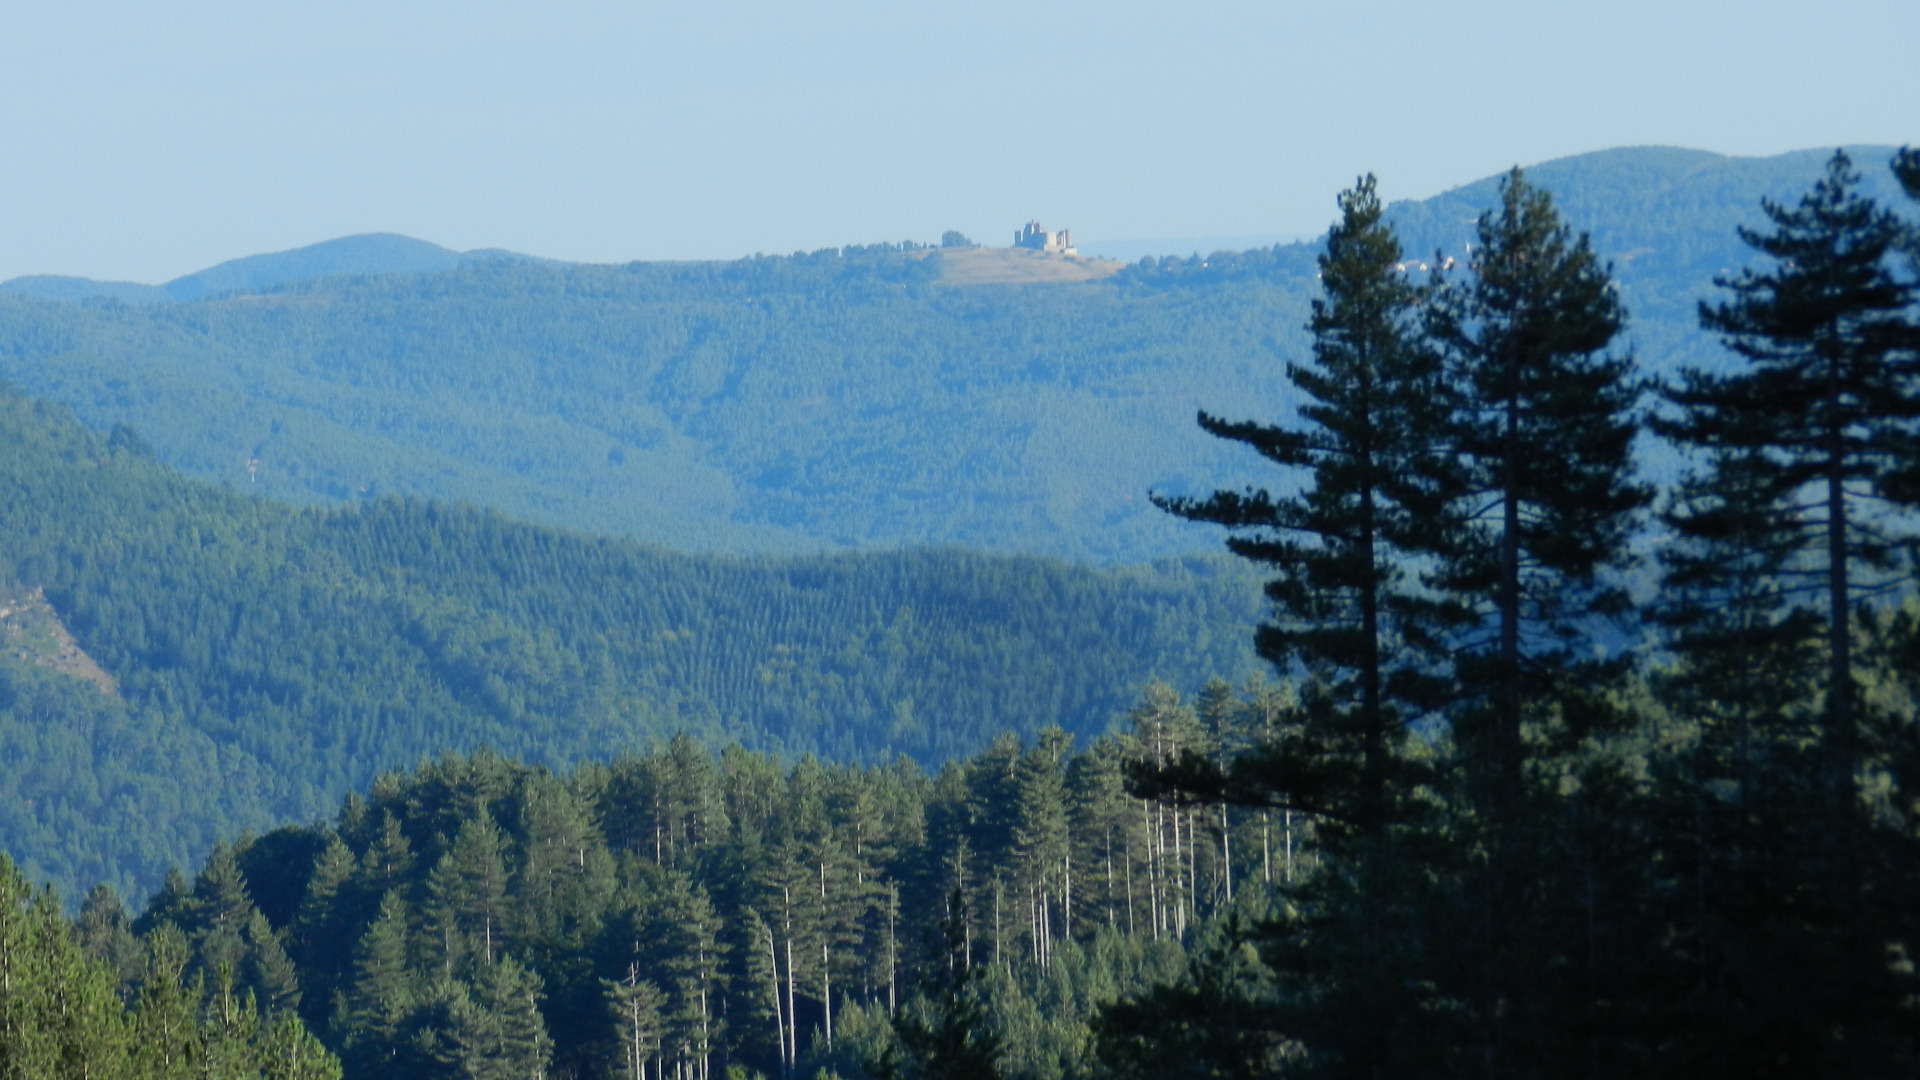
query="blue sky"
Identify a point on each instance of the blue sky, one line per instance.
(142, 139)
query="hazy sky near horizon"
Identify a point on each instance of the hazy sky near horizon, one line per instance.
(144, 139)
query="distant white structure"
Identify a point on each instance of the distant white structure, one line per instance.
(1035, 237)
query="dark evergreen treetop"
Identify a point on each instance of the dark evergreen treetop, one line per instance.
(1819, 433)
(1348, 608)
(1906, 167)
(1544, 423)
(1787, 884)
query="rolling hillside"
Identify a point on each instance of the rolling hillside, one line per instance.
(179, 662)
(851, 398)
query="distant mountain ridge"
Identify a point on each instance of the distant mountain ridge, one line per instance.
(1631, 199)
(366, 253)
(1692, 179)
(849, 398)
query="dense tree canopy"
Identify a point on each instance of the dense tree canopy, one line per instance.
(1707, 872)
(1468, 834)
(250, 663)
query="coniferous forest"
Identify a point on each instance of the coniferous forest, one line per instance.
(250, 662)
(1553, 771)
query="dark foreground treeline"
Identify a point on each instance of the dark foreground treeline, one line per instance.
(1672, 829)
(688, 912)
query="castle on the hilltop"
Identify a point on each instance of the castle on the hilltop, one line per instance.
(1037, 238)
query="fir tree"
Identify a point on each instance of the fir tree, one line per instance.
(328, 914)
(1544, 421)
(1906, 168)
(1040, 838)
(60, 1015)
(943, 1034)
(269, 972)
(636, 1005)
(466, 896)
(105, 931)
(1823, 427)
(168, 1042)
(376, 1008)
(1811, 453)
(1544, 418)
(495, 1030)
(288, 1051)
(1348, 610)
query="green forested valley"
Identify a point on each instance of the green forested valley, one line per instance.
(182, 661)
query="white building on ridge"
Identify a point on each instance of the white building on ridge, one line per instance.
(1035, 237)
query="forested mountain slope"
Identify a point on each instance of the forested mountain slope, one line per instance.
(254, 661)
(844, 398)
(704, 888)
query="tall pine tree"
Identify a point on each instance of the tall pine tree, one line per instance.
(1544, 422)
(1811, 455)
(1356, 616)
(1820, 432)
(1347, 610)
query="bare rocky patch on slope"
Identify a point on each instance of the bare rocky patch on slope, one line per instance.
(30, 630)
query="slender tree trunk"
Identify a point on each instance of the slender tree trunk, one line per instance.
(1266, 846)
(1373, 746)
(1153, 866)
(997, 935)
(1193, 865)
(1046, 928)
(1288, 820)
(1506, 743)
(1107, 851)
(1066, 899)
(793, 1021)
(706, 1025)
(779, 1023)
(826, 960)
(1839, 632)
(1226, 852)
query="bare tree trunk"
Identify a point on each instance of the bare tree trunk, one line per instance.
(1046, 925)
(1226, 852)
(826, 990)
(1066, 899)
(793, 1022)
(1266, 845)
(779, 1023)
(1153, 866)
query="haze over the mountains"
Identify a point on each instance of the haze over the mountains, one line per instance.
(848, 398)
